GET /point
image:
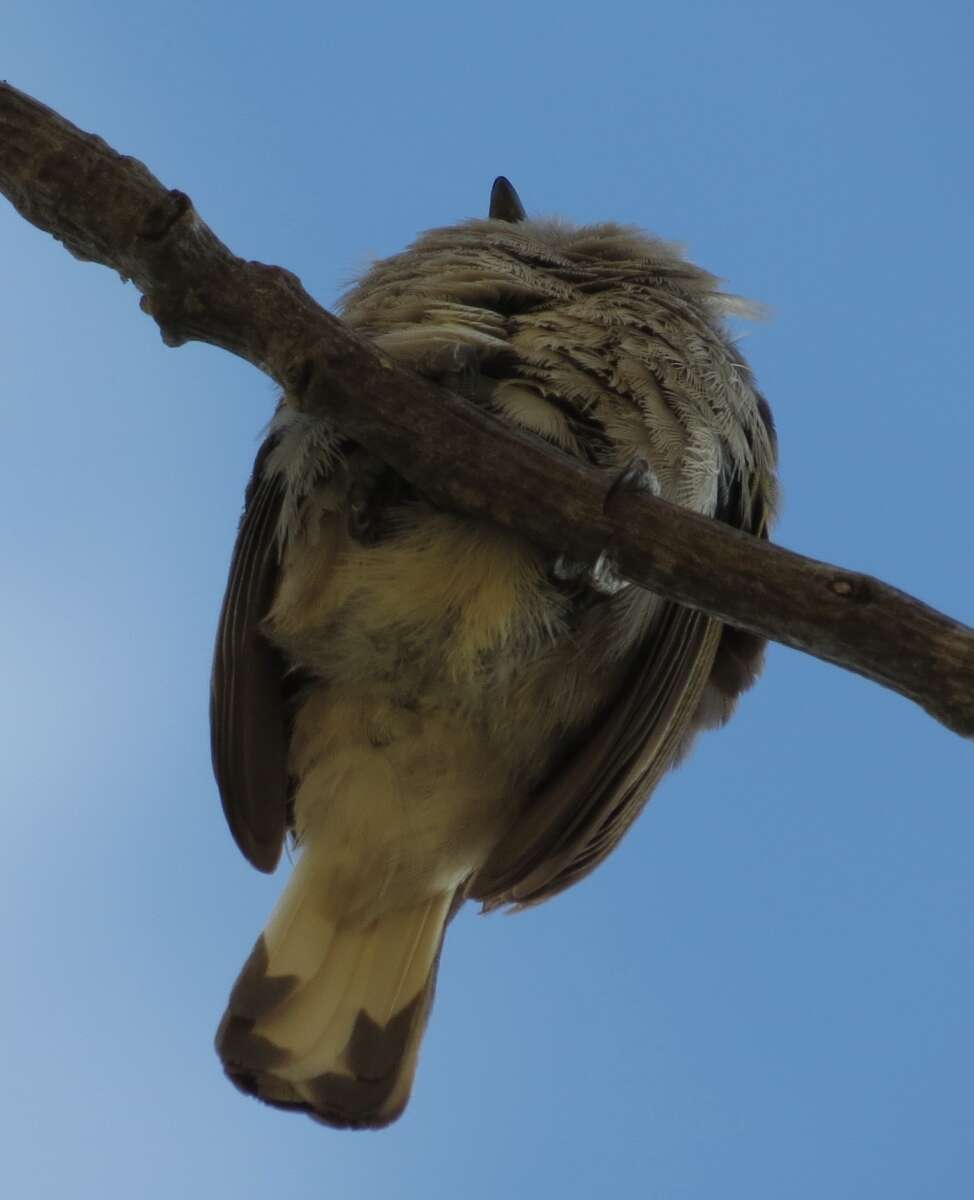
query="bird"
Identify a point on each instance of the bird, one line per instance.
(429, 709)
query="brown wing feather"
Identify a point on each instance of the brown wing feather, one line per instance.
(691, 671)
(740, 655)
(247, 705)
(578, 816)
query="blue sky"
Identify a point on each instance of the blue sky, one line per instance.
(768, 990)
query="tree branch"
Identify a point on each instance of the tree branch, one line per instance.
(110, 209)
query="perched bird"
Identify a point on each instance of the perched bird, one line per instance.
(431, 707)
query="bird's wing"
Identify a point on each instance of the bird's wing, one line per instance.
(689, 674)
(581, 811)
(247, 701)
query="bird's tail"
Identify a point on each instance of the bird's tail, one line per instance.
(328, 1014)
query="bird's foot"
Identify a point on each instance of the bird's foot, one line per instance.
(372, 487)
(639, 476)
(604, 577)
(456, 366)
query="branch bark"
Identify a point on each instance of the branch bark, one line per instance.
(108, 208)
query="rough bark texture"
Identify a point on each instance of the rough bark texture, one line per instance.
(108, 208)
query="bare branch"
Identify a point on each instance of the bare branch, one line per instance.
(108, 208)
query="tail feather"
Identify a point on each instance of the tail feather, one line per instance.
(328, 1014)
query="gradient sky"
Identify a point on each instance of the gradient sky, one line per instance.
(768, 990)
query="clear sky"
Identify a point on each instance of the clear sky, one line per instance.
(768, 991)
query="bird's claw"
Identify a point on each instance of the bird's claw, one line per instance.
(603, 577)
(639, 476)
